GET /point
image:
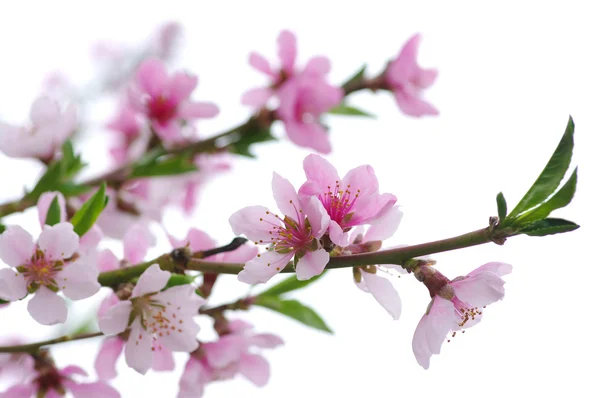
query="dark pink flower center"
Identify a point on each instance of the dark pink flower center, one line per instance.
(290, 234)
(465, 312)
(339, 203)
(162, 109)
(41, 271)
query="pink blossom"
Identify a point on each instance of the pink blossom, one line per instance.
(46, 268)
(455, 305)
(350, 201)
(130, 137)
(15, 366)
(408, 80)
(316, 66)
(50, 382)
(154, 317)
(233, 353)
(165, 100)
(49, 129)
(297, 234)
(198, 240)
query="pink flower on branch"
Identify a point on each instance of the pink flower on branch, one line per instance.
(350, 201)
(49, 382)
(50, 127)
(455, 305)
(297, 233)
(234, 353)
(408, 80)
(154, 317)
(165, 100)
(46, 267)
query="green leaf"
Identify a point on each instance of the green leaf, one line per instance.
(358, 76)
(549, 226)
(174, 165)
(289, 284)
(49, 181)
(179, 279)
(293, 309)
(501, 203)
(72, 189)
(551, 176)
(2, 228)
(4, 301)
(253, 134)
(562, 198)
(53, 215)
(89, 212)
(347, 110)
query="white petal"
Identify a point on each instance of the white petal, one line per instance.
(152, 280)
(13, 285)
(115, 320)
(47, 307)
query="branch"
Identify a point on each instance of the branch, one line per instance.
(32, 348)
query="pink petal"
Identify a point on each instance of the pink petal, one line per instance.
(162, 359)
(58, 241)
(255, 368)
(197, 110)
(79, 280)
(263, 268)
(153, 280)
(256, 222)
(260, 63)
(317, 216)
(98, 389)
(181, 86)
(499, 269)
(90, 240)
(482, 289)
(152, 77)
(311, 264)
(257, 97)
(19, 391)
(363, 178)
(116, 318)
(193, 379)
(71, 370)
(138, 350)
(384, 226)
(106, 361)
(228, 349)
(107, 261)
(287, 50)
(242, 254)
(414, 106)
(184, 341)
(136, 243)
(44, 111)
(199, 240)
(16, 246)
(322, 172)
(47, 308)
(432, 330)
(265, 340)
(384, 292)
(107, 303)
(239, 326)
(286, 197)
(44, 203)
(309, 135)
(13, 285)
(404, 67)
(317, 66)
(337, 235)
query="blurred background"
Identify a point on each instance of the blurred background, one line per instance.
(509, 77)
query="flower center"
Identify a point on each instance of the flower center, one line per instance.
(41, 271)
(161, 109)
(290, 234)
(340, 202)
(158, 318)
(465, 312)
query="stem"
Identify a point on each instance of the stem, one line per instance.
(32, 348)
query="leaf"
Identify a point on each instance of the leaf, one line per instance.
(549, 226)
(358, 76)
(2, 228)
(289, 284)
(53, 215)
(551, 176)
(293, 309)
(562, 198)
(501, 203)
(251, 135)
(89, 212)
(72, 189)
(4, 301)
(174, 165)
(347, 110)
(179, 279)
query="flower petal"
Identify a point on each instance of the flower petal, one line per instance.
(79, 280)
(317, 215)
(311, 264)
(255, 368)
(256, 222)
(47, 307)
(44, 203)
(309, 135)
(197, 110)
(317, 66)
(138, 350)
(16, 246)
(287, 50)
(260, 63)
(257, 97)
(162, 358)
(264, 340)
(384, 292)
(414, 106)
(106, 360)
(19, 391)
(181, 86)
(107, 261)
(286, 197)
(58, 241)
(384, 226)
(319, 170)
(97, 389)
(227, 350)
(136, 242)
(499, 269)
(153, 280)
(482, 289)
(13, 285)
(193, 379)
(432, 330)
(263, 268)
(152, 77)
(242, 254)
(116, 319)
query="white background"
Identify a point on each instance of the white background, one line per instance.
(509, 77)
